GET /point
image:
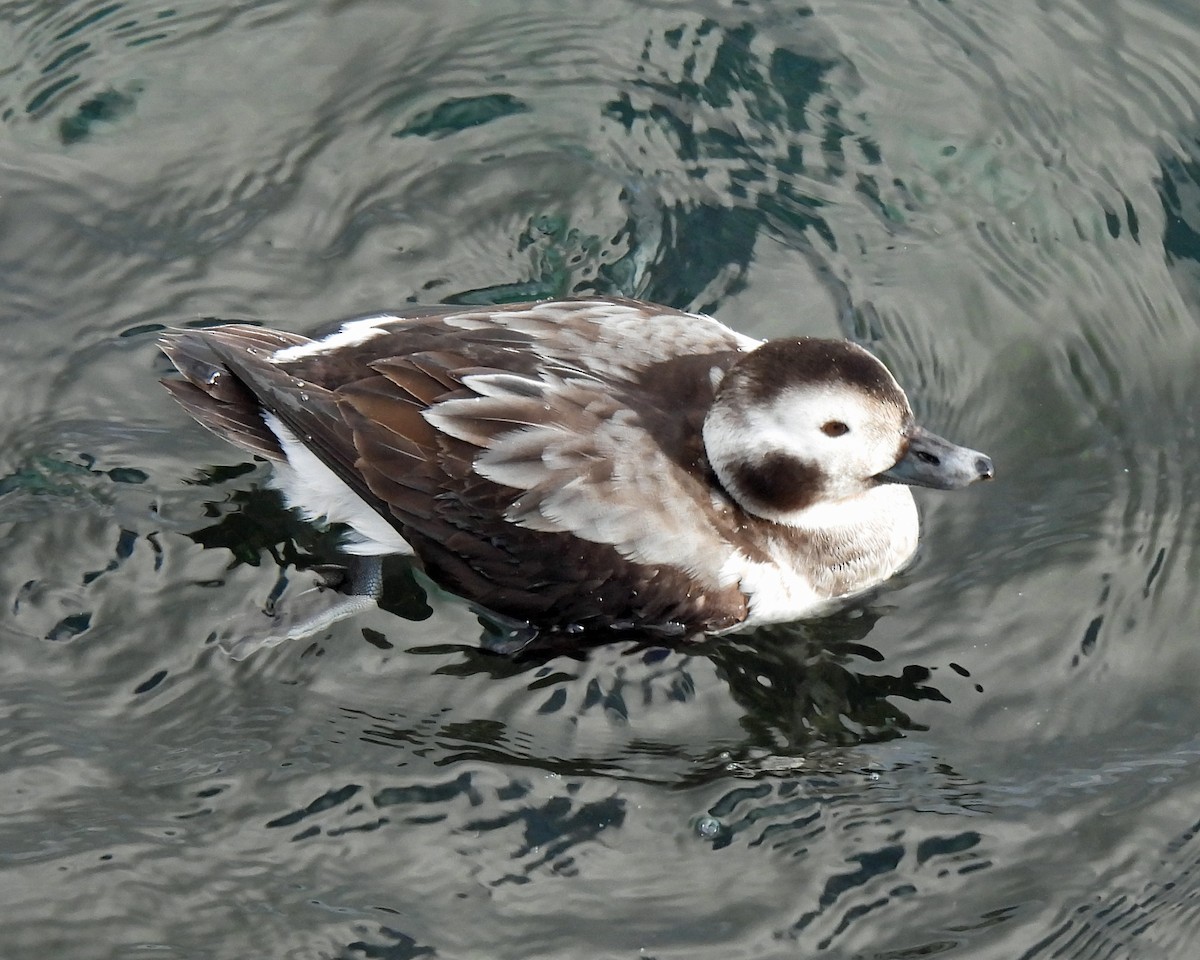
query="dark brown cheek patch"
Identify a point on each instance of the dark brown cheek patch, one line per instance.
(779, 481)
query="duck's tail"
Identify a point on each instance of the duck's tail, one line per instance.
(213, 393)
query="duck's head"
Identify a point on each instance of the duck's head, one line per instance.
(802, 423)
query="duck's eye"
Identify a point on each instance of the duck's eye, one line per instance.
(834, 428)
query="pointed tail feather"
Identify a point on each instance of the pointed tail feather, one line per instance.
(213, 394)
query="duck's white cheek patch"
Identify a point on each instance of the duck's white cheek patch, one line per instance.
(319, 493)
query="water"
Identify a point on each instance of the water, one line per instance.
(995, 757)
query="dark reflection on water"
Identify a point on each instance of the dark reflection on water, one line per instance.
(993, 757)
(797, 688)
(800, 691)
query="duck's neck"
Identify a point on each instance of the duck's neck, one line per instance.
(852, 544)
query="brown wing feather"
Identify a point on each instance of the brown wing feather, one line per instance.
(460, 523)
(239, 423)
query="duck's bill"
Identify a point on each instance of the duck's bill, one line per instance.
(931, 461)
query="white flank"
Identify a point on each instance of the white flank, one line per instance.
(319, 494)
(350, 335)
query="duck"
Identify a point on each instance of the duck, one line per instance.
(586, 464)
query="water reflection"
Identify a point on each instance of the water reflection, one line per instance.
(798, 689)
(808, 685)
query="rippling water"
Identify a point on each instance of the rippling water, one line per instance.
(994, 757)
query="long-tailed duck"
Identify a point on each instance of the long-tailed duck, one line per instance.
(591, 463)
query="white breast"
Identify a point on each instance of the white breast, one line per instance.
(876, 535)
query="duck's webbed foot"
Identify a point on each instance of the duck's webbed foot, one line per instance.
(339, 592)
(504, 636)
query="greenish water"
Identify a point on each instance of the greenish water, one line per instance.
(994, 757)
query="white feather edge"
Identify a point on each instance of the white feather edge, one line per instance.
(351, 334)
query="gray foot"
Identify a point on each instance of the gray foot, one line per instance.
(340, 592)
